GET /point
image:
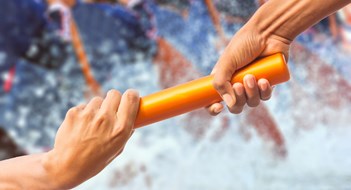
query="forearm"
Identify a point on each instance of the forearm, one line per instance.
(289, 18)
(82, 147)
(27, 172)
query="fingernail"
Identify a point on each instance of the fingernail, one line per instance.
(228, 100)
(218, 110)
(250, 82)
(239, 91)
(264, 86)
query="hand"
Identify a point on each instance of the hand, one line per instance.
(91, 136)
(246, 45)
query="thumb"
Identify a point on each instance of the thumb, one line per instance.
(223, 72)
(241, 50)
(223, 86)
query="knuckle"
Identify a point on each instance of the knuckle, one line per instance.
(87, 114)
(81, 106)
(96, 99)
(219, 85)
(104, 113)
(122, 129)
(103, 118)
(72, 112)
(113, 93)
(132, 96)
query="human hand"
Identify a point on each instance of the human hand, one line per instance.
(91, 136)
(246, 45)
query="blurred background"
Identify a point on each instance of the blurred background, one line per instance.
(56, 55)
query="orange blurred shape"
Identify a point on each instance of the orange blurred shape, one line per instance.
(201, 93)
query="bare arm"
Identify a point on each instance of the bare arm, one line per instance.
(90, 137)
(290, 18)
(26, 172)
(270, 30)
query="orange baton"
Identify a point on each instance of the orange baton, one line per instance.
(201, 93)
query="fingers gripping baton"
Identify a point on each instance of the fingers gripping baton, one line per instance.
(201, 93)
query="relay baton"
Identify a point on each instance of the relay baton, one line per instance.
(200, 93)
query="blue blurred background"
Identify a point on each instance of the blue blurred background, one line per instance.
(297, 140)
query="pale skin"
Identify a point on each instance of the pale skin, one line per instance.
(92, 135)
(270, 30)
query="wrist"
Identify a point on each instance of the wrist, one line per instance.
(276, 19)
(268, 43)
(58, 175)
